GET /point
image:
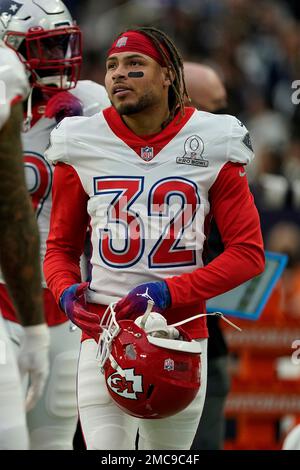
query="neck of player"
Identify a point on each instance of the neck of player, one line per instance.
(147, 122)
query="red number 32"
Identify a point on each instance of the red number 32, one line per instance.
(166, 251)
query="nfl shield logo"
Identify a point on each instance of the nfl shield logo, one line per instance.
(169, 365)
(147, 153)
(122, 41)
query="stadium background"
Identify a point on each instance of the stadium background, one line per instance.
(255, 46)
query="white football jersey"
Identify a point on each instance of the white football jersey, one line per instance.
(13, 81)
(147, 205)
(38, 171)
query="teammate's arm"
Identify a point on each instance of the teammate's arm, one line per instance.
(19, 237)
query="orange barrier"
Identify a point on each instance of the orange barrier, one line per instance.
(265, 374)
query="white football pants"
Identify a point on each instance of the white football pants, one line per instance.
(13, 431)
(52, 422)
(106, 427)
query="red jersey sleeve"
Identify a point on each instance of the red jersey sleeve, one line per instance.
(68, 225)
(237, 219)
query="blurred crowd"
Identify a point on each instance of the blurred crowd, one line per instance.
(255, 46)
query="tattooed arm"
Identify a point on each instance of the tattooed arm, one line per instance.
(19, 237)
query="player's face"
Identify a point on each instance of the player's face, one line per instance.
(132, 95)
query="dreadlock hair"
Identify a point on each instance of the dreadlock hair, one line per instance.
(174, 64)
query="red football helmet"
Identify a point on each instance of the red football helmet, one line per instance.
(148, 373)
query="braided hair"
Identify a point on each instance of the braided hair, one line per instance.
(174, 64)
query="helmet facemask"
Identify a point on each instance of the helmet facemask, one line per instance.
(53, 57)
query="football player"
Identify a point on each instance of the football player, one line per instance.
(20, 262)
(45, 38)
(147, 175)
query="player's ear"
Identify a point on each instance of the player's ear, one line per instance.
(168, 75)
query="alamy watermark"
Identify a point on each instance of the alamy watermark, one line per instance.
(296, 354)
(2, 92)
(3, 358)
(181, 222)
(296, 94)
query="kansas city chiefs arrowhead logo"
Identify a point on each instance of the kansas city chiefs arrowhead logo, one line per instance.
(126, 387)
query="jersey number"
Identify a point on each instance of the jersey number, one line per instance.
(38, 179)
(130, 227)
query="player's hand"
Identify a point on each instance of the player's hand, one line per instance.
(34, 360)
(135, 304)
(63, 104)
(73, 302)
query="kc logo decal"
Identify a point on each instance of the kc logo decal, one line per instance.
(127, 386)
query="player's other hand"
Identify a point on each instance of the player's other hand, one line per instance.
(134, 303)
(63, 104)
(34, 361)
(73, 303)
